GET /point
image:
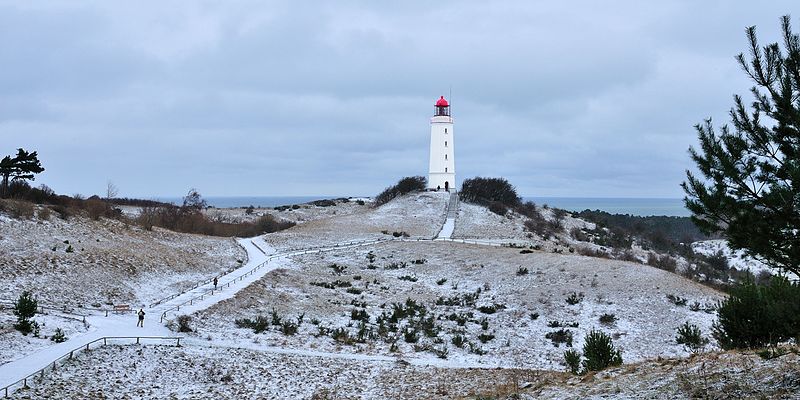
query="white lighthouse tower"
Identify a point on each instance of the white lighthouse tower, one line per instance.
(442, 171)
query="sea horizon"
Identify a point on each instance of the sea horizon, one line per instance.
(637, 206)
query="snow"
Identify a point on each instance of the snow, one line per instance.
(278, 272)
(447, 229)
(736, 259)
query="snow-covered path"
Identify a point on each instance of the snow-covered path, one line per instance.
(125, 325)
(262, 259)
(450, 221)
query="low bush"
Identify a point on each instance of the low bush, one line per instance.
(574, 298)
(608, 319)
(599, 352)
(259, 324)
(560, 336)
(522, 271)
(573, 359)
(184, 323)
(404, 186)
(756, 315)
(690, 336)
(491, 192)
(59, 336)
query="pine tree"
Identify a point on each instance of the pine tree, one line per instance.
(751, 190)
(25, 308)
(23, 166)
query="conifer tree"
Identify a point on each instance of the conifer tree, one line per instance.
(750, 185)
(23, 166)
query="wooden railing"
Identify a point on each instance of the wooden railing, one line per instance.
(23, 383)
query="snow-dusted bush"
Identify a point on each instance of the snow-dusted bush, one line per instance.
(58, 336)
(184, 323)
(573, 359)
(758, 315)
(690, 336)
(24, 309)
(406, 185)
(599, 352)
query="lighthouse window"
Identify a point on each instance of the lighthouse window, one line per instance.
(445, 156)
(445, 130)
(445, 144)
(445, 169)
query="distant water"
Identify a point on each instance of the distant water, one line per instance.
(640, 207)
(633, 206)
(245, 201)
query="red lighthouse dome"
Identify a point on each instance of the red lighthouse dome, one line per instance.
(441, 102)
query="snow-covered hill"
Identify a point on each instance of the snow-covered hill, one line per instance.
(331, 322)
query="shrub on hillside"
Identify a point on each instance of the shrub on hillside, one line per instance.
(758, 315)
(17, 208)
(59, 336)
(690, 336)
(599, 352)
(406, 185)
(486, 191)
(24, 309)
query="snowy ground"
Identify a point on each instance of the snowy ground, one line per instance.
(736, 259)
(635, 294)
(418, 215)
(16, 346)
(501, 301)
(109, 262)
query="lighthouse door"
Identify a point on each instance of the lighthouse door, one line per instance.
(446, 186)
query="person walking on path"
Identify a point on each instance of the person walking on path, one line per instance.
(215, 283)
(141, 318)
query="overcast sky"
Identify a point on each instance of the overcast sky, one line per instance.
(572, 98)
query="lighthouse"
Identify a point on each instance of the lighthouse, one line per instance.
(442, 170)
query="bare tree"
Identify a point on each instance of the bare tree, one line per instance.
(111, 190)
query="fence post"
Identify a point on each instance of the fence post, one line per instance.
(70, 355)
(137, 340)
(104, 341)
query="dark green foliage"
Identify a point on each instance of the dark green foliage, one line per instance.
(560, 336)
(458, 340)
(758, 315)
(750, 180)
(353, 290)
(258, 325)
(599, 352)
(409, 278)
(491, 309)
(690, 336)
(677, 300)
(661, 233)
(495, 193)
(441, 282)
(405, 185)
(59, 336)
(534, 316)
(574, 298)
(608, 319)
(573, 359)
(289, 328)
(522, 271)
(19, 168)
(485, 337)
(410, 335)
(24, 309)
(359, 315)
(184, 323)
(337, 269)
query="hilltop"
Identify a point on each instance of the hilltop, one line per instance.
(375, 309)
